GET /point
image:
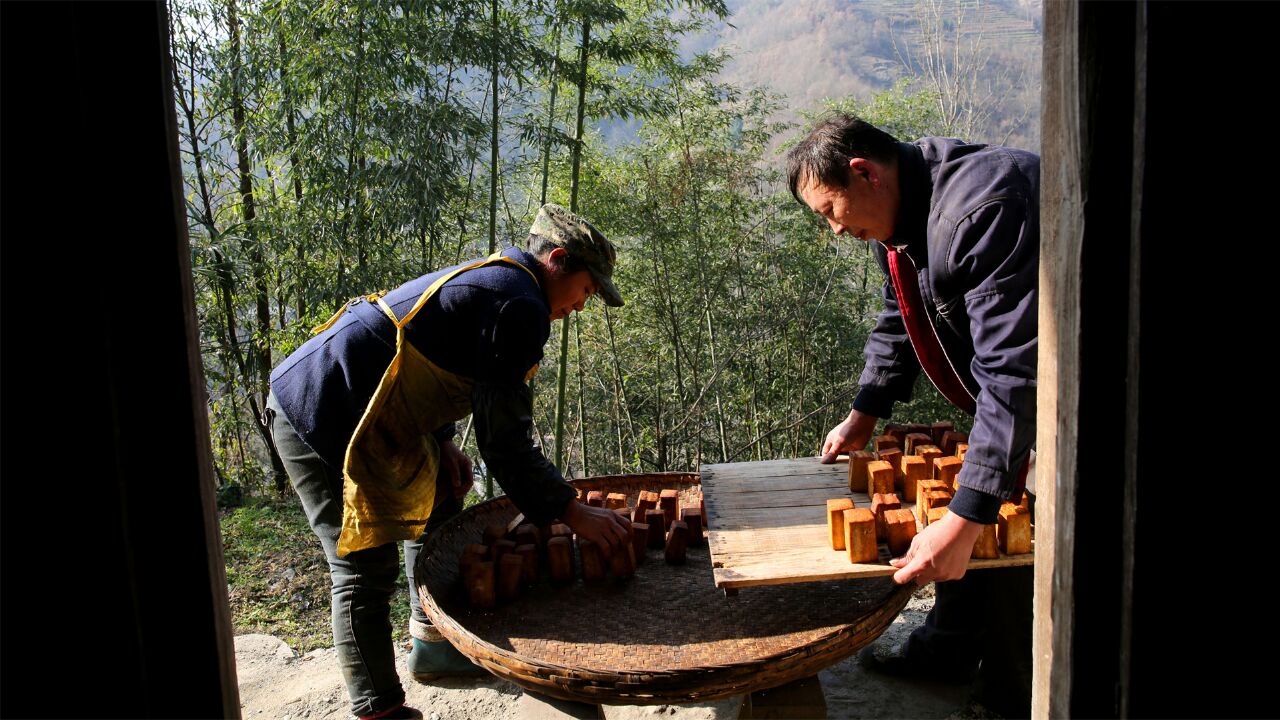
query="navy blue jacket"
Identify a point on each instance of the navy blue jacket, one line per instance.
(487, 324)
(970, 221)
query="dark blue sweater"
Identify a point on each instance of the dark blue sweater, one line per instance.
(487, 324)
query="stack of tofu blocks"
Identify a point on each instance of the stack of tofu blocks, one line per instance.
(917, 464)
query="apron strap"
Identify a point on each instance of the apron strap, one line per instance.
(372, 297)
(426, 295)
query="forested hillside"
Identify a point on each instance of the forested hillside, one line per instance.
(332, 149)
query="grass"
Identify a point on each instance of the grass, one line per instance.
(277, 577)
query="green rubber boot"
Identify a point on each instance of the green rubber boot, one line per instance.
(432, 659)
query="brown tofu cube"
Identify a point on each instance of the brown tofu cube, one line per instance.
(884, 442)
(1025, 502)
(879, 477)
(529, 555)
(938, 429)
(929, 453)
(479, 581)
(881, 502)
(918, 428)
(677, 542)
(639, 540)
(592, 559)
(947, 469)
(510, 575)
(646, 501)
(913, 471)
(526, 534)
(500, 548)
(595, 498)
(899, 529)
(1013, 530)
(961, 449)
(613, 501)
(898, 432)
(915, 441)
(950, 439)
(693, 518)
(934, 515)
(560, 559)
(835, 521)
(860, 536)
(494, 533)
(560, 529)
(669, 501)
(657, 523)
(930, 500)
(474, 552)
(986, 546)
(622, 563)
(926, 485)
(893, 456)
(858, 460)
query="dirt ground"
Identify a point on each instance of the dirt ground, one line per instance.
(278, 684)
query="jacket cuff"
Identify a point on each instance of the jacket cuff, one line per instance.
(874, 401)
(445, 432)
(975, 506)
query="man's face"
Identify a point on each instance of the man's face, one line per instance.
(568, 292)
(866, 209)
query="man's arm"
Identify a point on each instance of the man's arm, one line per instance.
(996, 250)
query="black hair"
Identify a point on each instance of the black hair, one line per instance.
(539, 246)
(825, 152)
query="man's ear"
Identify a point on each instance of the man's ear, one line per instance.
(864, 168)
(555, 258)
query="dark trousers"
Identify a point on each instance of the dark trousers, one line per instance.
(984, 620)
(363, 582)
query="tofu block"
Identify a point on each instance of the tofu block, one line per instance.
(926, 485)
(480, 584)
(526, 534)
(613, 501)
(500, 548)
(646, 501)
(893, 456)
(622, 563)
(884, 442)
(900, 528)
(560, 559)
(986, 546)
(935, 514)
(529, 555)
(879, 477)
(510, 576)
(938, 429)
(929, 453)
(947, 469)
(1025, 502)
(592, 559)
(860, 536)
(930, 500)
(858, 460)
(835, 521)
(669, 501)
(917, 440)
(693, 518)
(961, 449)
(639, 540)
(677, 542)
(918, 428)
(898, 432)
(1013, 530)
(494, 533)
(657, 523)
(913, 471)
(595, 498)
(950, 439)
(881, 502)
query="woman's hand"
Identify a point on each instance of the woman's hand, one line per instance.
(940, 552)
(852, 434)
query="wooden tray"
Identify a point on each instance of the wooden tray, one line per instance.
(767, 524)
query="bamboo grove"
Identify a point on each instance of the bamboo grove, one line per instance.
(335, 148)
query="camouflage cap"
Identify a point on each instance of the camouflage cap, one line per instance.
(581, 240)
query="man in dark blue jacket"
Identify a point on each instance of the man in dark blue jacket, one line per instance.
(958, 237)
(466, 340)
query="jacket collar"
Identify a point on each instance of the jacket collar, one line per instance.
(915, 193)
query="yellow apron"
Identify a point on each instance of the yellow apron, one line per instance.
(389, 473)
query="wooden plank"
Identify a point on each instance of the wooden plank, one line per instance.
(768, 526)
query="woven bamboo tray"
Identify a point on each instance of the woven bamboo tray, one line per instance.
(668, 635)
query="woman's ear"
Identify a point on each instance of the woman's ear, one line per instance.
(555, 258)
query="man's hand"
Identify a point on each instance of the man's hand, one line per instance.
(605, 528)
(852, 434)
(940, 552)
(456, 468)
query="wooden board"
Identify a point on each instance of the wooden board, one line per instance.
(767, 524)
